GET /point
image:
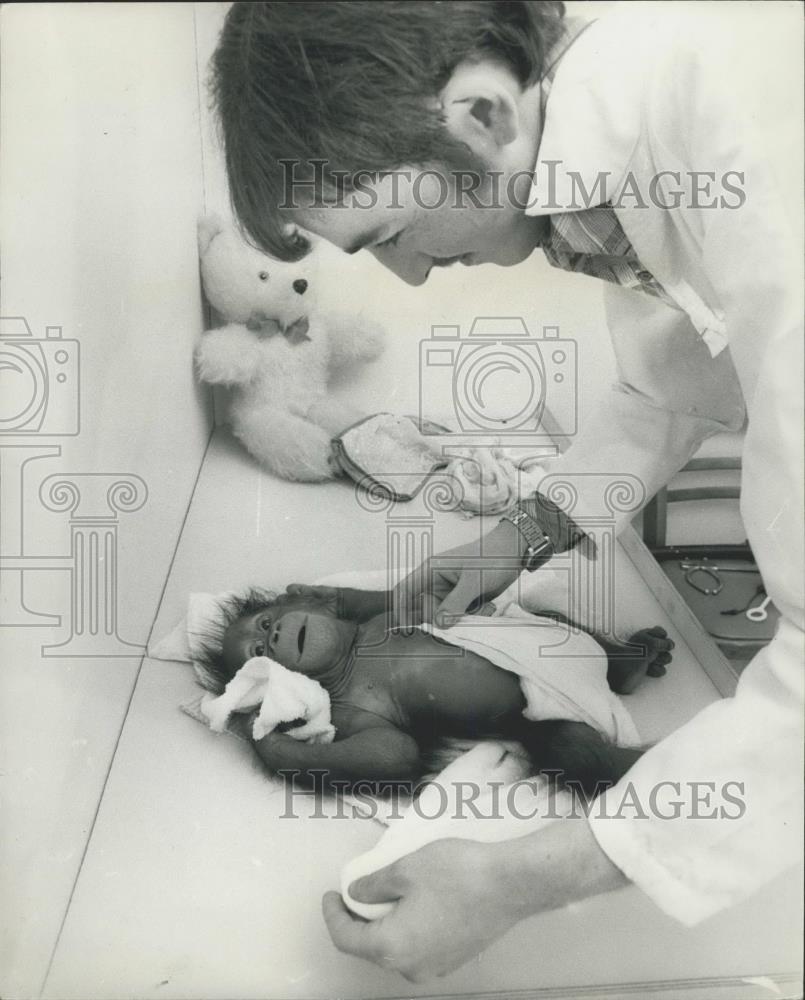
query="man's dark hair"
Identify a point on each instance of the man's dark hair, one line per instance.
(349, 82)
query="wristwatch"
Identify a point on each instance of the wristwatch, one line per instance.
(539, 546)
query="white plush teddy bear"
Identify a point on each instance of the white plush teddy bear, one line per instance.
(278, 352)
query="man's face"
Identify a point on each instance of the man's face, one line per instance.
(415, 219)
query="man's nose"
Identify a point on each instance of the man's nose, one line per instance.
(412, 269)
(300, 286)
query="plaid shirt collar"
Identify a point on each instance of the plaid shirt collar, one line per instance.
(591, 240)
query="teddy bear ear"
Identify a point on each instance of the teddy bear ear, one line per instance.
(298, 238)
(208, 228)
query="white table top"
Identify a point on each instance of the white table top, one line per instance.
(194, 885)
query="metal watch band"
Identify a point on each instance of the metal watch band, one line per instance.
(539, 546)
(562, 530)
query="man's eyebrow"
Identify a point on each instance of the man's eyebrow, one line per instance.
(363, 241)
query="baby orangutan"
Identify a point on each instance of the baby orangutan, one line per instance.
(395, 695)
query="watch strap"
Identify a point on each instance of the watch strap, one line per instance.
(562, 530)
(538, 545)
(546, 528)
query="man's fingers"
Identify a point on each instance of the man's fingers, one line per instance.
(383, 886)
(403, 613)
(349, 933)
(405, 605)
(458, 600)
(303, 589)
(427, 608)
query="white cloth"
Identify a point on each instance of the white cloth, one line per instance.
(177, 645)
(281, 695)
(563, 673)
(642, 92)
(507, 806)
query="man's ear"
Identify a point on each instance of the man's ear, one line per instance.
(480, 106)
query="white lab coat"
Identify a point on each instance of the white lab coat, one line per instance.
(638, 93)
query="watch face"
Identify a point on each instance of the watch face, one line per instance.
(536, 557)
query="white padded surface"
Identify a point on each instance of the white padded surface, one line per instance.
(195, 886)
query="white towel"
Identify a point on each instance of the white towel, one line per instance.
(563, 672)
(179, 644)
(507, 805)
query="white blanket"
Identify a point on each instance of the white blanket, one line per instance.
(563, 672)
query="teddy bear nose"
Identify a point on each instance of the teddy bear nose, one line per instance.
(300, 286)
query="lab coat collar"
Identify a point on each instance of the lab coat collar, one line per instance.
(591, 119)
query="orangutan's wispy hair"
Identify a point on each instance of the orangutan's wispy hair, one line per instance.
(207, 645)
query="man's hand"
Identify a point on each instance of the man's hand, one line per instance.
(448, 910)
(453, 898)
(443, 587)
(327, 595)
(345, 602)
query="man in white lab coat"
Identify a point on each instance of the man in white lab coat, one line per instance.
(622, 154)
